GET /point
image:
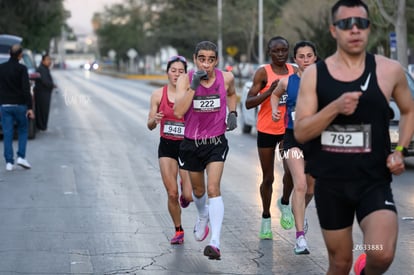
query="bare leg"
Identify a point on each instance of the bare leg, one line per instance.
(297, 168)
(287, 183)
(187, 189)
(169, 172)
(287, 179)
(310, 188)
(267, 159)
(380, 244)
(339, 244)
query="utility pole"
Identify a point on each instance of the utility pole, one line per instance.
(61, 47)
(260, 19)
(220, 40)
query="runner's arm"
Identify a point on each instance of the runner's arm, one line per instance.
(184, 96)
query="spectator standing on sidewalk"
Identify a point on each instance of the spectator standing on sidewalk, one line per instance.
(15, 106)
(43, 93)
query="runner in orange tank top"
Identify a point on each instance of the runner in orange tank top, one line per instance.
(270, 133)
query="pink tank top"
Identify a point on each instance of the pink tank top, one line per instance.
(206, 116)
(170, 127)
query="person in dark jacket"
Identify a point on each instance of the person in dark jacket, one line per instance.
(15, 106)
(43, 93)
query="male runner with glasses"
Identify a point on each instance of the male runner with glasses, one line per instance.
(343, 112)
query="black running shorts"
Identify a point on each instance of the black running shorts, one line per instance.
(337, 202)
(196, 154)
(267, 140)
(169, 148)
(289, 141)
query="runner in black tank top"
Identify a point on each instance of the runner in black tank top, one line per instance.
(342, 114)
(365, 158)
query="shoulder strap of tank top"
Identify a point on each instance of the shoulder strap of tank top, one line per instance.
(164, 92)
(290, 68)
(370, 61)
(321, 66)
(268, 69)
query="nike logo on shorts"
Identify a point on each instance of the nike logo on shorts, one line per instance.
(389, 203)
(364, 87)
(180, 162)
(224, 154)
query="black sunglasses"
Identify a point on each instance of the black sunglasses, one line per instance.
(348, 23)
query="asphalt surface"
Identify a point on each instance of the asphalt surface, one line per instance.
(94, 203)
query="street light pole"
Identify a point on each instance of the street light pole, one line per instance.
(220, 42)
(260, 19)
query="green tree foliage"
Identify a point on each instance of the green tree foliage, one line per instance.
(124, 26)
(36, 21)
(148, 25)
(240, 25)
(183, 23)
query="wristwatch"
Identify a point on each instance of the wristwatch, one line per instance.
(234, 112)
(402, 149)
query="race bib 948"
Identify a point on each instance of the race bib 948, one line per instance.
(174, 129)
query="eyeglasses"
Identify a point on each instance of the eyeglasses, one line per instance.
(177, 58)
(348, 23)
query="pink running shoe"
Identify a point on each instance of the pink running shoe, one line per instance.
(212, 252)
(178, 238)
(360, 263)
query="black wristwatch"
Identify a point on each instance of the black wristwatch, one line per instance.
(234, 112)
(402, 149)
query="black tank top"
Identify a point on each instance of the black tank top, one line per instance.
(354, 146)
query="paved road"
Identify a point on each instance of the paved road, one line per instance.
(94, 202)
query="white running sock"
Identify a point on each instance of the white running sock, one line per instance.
(201, 205)
(216, 213)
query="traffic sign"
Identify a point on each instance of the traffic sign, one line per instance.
(393, 41)
(112, 54)
(132, 53)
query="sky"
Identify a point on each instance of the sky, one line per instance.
(82, 12)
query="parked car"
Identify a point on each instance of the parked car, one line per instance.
(395, 119)
(248, 117)
(6, 41)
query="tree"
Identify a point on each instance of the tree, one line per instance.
(123, 26)
(183, 23)
(308, 20)
(399, 21)
(36, 21)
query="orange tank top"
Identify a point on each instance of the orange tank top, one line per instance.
(265, 124)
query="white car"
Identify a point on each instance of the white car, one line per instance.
(248, 116)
